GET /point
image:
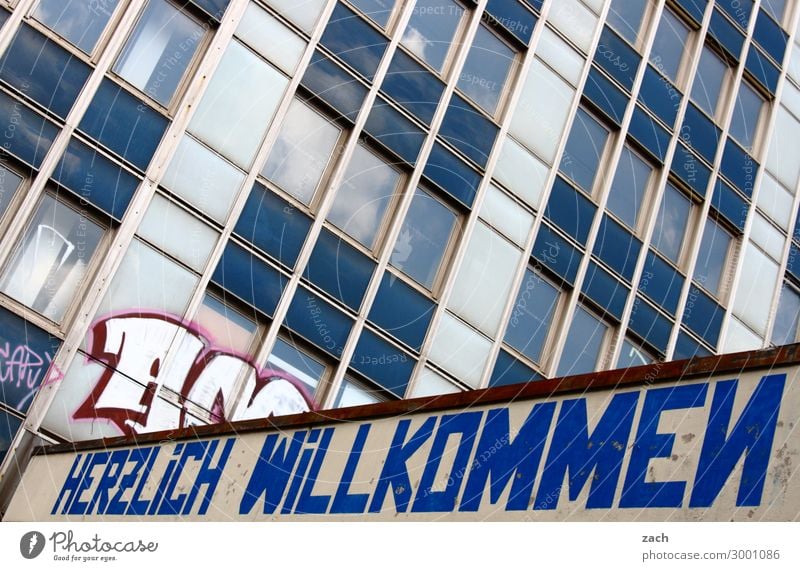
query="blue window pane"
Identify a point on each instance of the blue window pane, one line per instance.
(393, 130)
(584, 341)
(585, 147)
(616, 57)
(27, 134)
(452, 175)
(708, 80)
(628, 187)
(694, 8)
(726, 34)
(570, 210)
(671, 222)
(649, 133)
(92, 176)
(333, 85)
(9, 425)
(687, 347)
(690, 169)
(291, 359)
(763, 70)
(606, 95)
(605, 290)
(43, 71)
(532, 316)
(124, 124)
(535, 4)
(770, 36)
(377, 10)
(248, 278)
(712, 257)
(746, 114)
(739, 10)
(486, 69)
(671, 39)
(273, 225)
(318, 322)
(214, 8)
(32, 349)
(513, 17)
(661, 283)
(556, 253)
(660, 96)
(626, 17)
(617, 247)
(339, 269)
(633, 355)
(700, 133)
(431, 29)
(468, 131)
(401, 311)
(793, 264)
(511, 371)
(787, 318)
(412, 86)
(703, 316)
(423, 239)
(80, 22)
(650, 325)
(775, 8)
(354, 41)
(382, 362)
(730, 204)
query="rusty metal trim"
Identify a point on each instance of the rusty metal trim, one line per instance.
(621, 378)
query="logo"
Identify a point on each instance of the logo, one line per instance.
(31, 544)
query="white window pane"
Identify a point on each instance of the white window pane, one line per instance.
(460, 350)
(794, 62)
(483, 284)
(305, 368)
(302, 151)
(159, 50)
(304, 13)
(80, 22)
(783, 160)
(542, 111)
(790, 98)
(430, 383)
(352, 393)
(740, 338)
(775, 201)
(49, 265)
(521, 172)
(178, 233)
(203, 179)
(364, 195)
(431, 29)
(507, 216)
(269, 37)
(572, 19)
(755, 288)
(237, 107)
(560, 56)
(146, 280)
(769, 238)
(229, 328)
(584, 343)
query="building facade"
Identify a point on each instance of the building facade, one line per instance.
(225, 209)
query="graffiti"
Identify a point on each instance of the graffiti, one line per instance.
(23, 368)
(133, 349)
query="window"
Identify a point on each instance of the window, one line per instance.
(159, 50)
(51, 261)
(80, 22)
(708, 81)
(670, 44)
(629, 187)
(626, 16)
(378, 11)
(287, 357)
(431, 30)
(532, 316)
(712, 258)
(633, 355)
(302, 152)
(353, 393)
(424, 238)
(671, 223)
(363, 198)
(786, 320)
(9, 184)
(584, 345)
(585, 148)
(746, 113)
(486, 70)
(775, 8)
(230, 328)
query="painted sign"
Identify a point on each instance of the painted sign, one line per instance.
(715, 447)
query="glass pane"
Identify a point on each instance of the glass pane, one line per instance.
(271, 38)
(9, 425)
(460, 350)
(669, 44)
(301, 152)
(625, 16)
(585, 146)
(80, 22)
(423, 238)
(228, 328)
(776, 8)
(628, 189)
(9, 184)
(744, 122)
(362, 199)
(632, 355)
(584, 341)
(712, 258)
(708, 80)
(573, 19)
(304, 13)
(430, 30)
(755, 288)
(352, 393)
(486, 69)
(532, 316)
(507, 216)
(159, 50)
(430, 383)
(560, 56)
(775, 200)
(377, 10)
(670, 228)
(48, 266)
(787, 318)
(289, 359)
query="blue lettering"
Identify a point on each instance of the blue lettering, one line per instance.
(77, 507)
(344, 502)
(73, 483)
(108, 480)
(165, 481)
(209, 476)
(308, 503)
(271, 472)
(300, 473)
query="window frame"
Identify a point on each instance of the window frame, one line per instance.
(728, 78)
(728, 265)
(647, 204)
(682, 74)
(758, 131)
(649, 8)
(606, 343)
(603, 164)
(689, 232)
(456, 42)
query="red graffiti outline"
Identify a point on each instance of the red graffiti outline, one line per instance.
(124, 418)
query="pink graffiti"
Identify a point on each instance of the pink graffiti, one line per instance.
(22, 367)
(136, 346)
